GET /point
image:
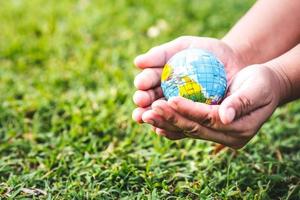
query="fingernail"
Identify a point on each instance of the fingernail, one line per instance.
(230, 114)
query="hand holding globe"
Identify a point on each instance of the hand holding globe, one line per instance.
(179, 117)
(149, 80)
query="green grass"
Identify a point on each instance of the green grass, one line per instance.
(66, 81)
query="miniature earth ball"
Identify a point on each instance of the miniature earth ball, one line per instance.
(195, 74)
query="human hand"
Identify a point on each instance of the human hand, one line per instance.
(152, 62)
(253, 95)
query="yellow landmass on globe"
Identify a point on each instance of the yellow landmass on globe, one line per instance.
(192, 90)
(166, 72)
(190, 87)
(208, 101)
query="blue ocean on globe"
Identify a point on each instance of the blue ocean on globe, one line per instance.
(195, 74)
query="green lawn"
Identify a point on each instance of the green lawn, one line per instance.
(66, 81)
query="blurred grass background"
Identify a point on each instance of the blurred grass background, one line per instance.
(66, 81)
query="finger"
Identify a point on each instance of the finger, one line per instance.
(244, 100)
(170, 135)
(252, 122)
(151, 117)
(165, 133)
(208, 134)
(198, 112)
(161, 108)
(137, 114)
(206, 115)
(159, 55)
(148, 78)
(145, 98)
(191, 128)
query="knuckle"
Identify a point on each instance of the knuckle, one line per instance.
(171, 117)
(207, 121)
(245, 102)
(155, 123)
(151, 95)
(193, 129)
(211, 120)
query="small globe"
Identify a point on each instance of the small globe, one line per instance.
(195, 74)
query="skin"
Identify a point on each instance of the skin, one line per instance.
(269, 29)
(287, 66)
(153, 61)
(244, 110)
(249, 108)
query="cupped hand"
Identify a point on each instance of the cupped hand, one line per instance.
(152, 62)
(252, 97)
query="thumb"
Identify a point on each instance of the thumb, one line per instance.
(238, 104)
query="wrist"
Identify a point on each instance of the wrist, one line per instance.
(284, 85)
(242, 50)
